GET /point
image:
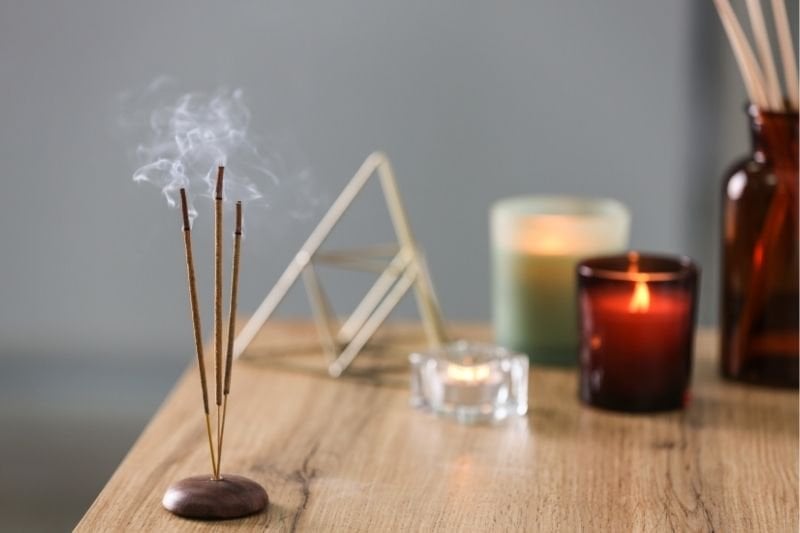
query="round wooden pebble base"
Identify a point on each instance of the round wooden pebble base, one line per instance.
(203, 498)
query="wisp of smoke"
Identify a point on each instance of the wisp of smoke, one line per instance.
(191, 137)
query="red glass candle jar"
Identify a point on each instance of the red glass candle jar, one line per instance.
(637, 320)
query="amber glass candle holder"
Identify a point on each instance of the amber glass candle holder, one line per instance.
(637, 321)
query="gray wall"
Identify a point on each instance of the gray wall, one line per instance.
(472, 103)
(624, 98)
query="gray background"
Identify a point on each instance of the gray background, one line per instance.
(633, 99)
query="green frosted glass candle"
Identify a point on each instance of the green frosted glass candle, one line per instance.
(537, 242)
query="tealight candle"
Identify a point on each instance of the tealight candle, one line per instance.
(471, 382)
(470, 385)
(637, 316)
(536, 243)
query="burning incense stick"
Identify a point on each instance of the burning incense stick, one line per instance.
(237, 246)
(237, 250)
(199, 497)
(218, 295)
(198, 335)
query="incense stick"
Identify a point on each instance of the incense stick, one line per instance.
(773, 86)
(237, 245)
(218, 295)
(195, 310)
(787, 50)
(748, 65)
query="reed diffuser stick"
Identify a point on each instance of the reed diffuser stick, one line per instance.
(787, 51)
(198, 334)
(237, 252)
(218, 212)
(748, 65)
(773, 86)
(759, 276)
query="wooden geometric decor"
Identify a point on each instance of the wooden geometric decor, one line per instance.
(400, 266)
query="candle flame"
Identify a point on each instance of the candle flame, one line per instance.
(468, 374)
(640, 302)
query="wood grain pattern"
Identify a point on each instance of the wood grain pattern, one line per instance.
(352, 456)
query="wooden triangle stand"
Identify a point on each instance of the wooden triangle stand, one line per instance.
(401, 266)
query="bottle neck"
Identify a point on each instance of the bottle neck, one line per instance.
(774, 137)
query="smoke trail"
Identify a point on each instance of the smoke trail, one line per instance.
(191, 136)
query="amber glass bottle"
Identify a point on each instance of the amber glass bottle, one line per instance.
(759, 313)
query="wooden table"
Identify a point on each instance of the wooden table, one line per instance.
(346, 455)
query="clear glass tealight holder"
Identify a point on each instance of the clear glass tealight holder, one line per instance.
(470, 382)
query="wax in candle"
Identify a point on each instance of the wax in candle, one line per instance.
(468, 374)
(470, 385)
(537, 242)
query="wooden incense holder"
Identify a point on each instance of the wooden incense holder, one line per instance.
(205, 498)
